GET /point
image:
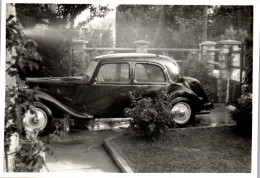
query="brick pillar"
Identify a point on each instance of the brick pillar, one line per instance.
(141, 46)
(225, 61)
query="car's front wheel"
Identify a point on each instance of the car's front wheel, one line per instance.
(41, 120)
(182, 111)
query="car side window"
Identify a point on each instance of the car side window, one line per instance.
(149, 73)
(117, 72)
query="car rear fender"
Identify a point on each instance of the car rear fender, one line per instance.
(48, 98)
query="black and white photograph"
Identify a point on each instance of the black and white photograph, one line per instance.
(129, 87)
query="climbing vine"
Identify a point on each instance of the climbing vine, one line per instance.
(22, 57)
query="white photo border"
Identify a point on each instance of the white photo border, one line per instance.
(256, 39)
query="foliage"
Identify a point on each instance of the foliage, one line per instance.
(231, 34)
(18, 99)
(100, 36)
(62, 128)
(200, 70)
(151, 117)
(248, 80)
(243, 113)
(222, 17)
(54, 51)
(53, 27)
(182, 26)
(31, 15)
(135, 22)
(30, 156)
(27, 58)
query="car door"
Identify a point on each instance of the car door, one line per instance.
(148, 78)
(108, 95)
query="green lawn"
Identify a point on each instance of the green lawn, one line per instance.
(211, 150)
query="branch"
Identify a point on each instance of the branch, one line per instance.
(10, 105)
(8, 69)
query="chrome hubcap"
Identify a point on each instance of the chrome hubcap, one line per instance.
(36, 121)
(182, 113)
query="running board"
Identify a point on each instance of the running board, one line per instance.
(206, 112)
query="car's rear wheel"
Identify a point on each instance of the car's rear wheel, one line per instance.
(182, 111)
(41, 120)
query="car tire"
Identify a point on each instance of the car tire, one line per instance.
(183, 111)
(44, 121)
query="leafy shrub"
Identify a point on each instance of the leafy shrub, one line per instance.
(22, 58)
(151, 117)
(243, 113)
(29, 157)
(199, 70)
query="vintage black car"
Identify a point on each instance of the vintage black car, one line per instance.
(104, 89)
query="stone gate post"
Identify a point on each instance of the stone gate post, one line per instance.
(141, 46)
(78, 52)
(228, 55)
(208, 54)
(79, 47)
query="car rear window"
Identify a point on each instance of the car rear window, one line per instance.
(116, 72)
(149, 73)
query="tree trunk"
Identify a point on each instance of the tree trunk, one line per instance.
(69, 45)
(205, 23)
(160, 27)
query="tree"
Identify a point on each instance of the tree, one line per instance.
(30, 15)
(163, 25)
(236, 23)
(205, 23)
(160, 26)
(239, 17)
(231, 34)
(58, 21)
(135, 22)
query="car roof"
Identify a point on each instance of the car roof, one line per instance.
(138, 57)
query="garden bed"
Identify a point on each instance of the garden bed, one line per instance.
(208, 150)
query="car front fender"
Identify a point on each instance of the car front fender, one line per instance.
(46, 97)
(178, 90)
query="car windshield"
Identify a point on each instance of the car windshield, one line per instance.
(90, 70)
